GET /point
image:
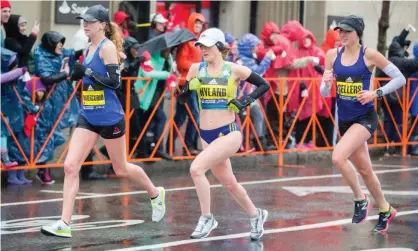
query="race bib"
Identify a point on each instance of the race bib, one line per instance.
(349, 87)
(213, 92)
(93, 96)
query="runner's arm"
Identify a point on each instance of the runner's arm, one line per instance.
(330, 57)
(377, 59)
(109, 55)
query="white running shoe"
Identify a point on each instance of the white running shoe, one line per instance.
(59, 229)
(257, 224)
(204, 227)
(158, 205)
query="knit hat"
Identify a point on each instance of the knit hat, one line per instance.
(351, 23)
(21, 20)
(5, 4)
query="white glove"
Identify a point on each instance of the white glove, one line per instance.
(315, 60)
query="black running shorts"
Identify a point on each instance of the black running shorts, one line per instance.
(106, 132)
(368, 120)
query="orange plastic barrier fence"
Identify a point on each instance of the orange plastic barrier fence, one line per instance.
(279, 125)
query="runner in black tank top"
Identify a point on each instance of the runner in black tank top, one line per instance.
(351, 66)
(102, 116)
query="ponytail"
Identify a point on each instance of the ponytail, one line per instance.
(225, 51)
(113, 33)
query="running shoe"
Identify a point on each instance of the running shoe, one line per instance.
(257, 224)
(45, 178)
(204, 227)
(361, 210)
(59, 229)
(385, 219)
(158, 205)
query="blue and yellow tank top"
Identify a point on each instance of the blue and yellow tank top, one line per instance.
(216, 91)
(101, 106)
(350, 81)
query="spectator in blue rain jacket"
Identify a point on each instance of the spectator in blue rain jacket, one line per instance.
(52, 65)
(13, 112)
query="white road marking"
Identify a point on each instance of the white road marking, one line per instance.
(212, 186)
(268, 231)
(303, 191)
(54, 191)
(389, 166)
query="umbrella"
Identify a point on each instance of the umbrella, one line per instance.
(166, 40)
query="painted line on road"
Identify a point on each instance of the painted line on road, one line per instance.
(55, 191)
(268, 231)
(247, 183)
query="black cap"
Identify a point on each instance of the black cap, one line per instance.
(95, 13)
(352, 23)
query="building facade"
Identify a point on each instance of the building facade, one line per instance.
(239, 17)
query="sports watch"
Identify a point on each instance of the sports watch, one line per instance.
(379, 93)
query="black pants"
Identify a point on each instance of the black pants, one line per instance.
(300, 128)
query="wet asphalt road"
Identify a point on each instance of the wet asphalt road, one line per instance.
(309, 209)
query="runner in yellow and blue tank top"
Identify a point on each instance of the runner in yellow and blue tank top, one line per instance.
(102, 116)
(352, 66)
(215, 82)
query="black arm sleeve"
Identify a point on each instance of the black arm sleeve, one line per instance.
(261, 83)
(112, 80)
(54, 78)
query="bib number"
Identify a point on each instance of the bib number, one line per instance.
(93, 98)
(349, 89)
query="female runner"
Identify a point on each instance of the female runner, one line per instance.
(215, 82)
(101, 116)
(352, 65)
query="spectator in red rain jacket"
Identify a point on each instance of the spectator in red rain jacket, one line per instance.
(285, 62)
(307, 47)
(122, 20)
(332, 40)
(302, 90)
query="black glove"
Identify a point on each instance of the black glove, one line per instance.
(184, 94)
(318, 68)
(79, 72)
(238, 105)
(302, 86)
